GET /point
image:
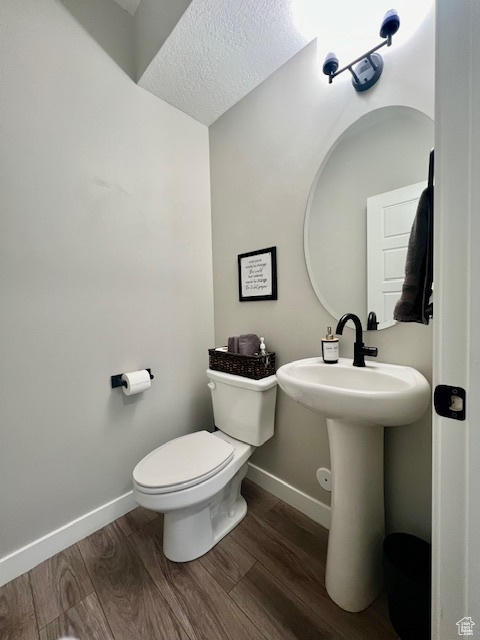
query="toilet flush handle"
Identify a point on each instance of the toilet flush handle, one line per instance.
(211, 386)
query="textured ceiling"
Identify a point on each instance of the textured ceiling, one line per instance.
(219, 51)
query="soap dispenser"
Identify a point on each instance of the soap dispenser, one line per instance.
(330, 347)
(263, 349)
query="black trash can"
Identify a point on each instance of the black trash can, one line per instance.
(407, 568)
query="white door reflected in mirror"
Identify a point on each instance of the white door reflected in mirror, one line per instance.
(390, 217)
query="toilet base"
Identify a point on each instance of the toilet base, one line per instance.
(190, 533)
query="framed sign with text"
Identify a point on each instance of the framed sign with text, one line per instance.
(257, 275)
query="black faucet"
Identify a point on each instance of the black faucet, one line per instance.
(372, 322)
(359, 349)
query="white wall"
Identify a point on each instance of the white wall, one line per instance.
(264, 153)
(153, 23)
(105, 267)
(111, 26)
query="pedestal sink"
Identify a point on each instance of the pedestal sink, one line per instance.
(357, 403)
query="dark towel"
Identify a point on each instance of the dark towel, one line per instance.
(248, 344)
(414, 303)
(233, 344)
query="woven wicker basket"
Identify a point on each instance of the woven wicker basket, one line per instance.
(255, 367)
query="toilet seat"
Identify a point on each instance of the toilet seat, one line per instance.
(183, 462)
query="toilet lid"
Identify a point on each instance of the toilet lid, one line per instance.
(184, 461)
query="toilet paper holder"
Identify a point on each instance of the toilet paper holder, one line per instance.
(118, 382)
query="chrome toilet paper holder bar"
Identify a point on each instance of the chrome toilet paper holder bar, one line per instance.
(118, 382)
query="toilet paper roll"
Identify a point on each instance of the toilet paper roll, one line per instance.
(137, 381)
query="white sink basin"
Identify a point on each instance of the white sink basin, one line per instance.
(382, 394)
(356, 402)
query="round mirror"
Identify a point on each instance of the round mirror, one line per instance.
(356, 261)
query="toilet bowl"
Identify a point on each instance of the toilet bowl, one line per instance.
(195, 480)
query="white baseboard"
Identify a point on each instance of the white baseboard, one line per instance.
(38, 551)
(314, 509)
(32, 554)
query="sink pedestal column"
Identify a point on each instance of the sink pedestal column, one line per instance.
(354, 558)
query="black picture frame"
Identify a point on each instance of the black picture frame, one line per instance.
(257, 275)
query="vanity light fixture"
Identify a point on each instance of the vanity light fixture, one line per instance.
(370, 66)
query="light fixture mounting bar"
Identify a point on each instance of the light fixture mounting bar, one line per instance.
(359, 59)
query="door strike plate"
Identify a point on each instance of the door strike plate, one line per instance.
(450, 401)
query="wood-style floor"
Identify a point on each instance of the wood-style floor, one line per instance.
(265, 580)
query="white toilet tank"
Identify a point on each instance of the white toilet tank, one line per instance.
(243, 408)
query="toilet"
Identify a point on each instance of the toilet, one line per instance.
(195, 480)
